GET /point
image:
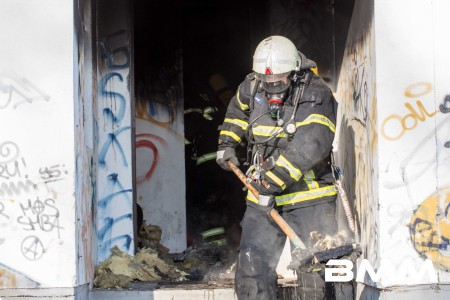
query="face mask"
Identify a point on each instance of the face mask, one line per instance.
(276, 102)
(276, 88)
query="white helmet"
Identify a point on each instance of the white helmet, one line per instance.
(274, 59)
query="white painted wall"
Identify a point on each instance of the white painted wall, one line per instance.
(84, 142)
(114, 139)
(357, 138)
(37, 218)
(161, 188)
(394, 134)
(413, 64)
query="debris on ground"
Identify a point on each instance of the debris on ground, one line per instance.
(325, 247)
(149, 264)
(121, 269)
(149, 236)
(208, 263)
(326, 242)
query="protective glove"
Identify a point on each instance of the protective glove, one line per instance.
(266, 203)
(223, 155)
(266, 199)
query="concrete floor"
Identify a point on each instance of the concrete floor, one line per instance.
(148, 291)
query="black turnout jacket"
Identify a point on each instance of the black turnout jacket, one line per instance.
(300, 167)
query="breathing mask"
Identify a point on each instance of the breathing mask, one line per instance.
(276, 87)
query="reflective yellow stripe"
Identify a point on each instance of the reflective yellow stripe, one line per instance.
(268, 131)
(242, 105)
(191, 110)
(309, 179)
(207, 111)
(251, 197)
(315, 118)
(276, 179)
(213, 232)
(237, 122)
(231, 134)
(220, 242)
(306, 195)
(293, 172)
(206, 157)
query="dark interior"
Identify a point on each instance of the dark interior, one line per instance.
(215, 41)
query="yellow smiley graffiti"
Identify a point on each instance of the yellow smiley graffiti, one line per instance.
(430, 228)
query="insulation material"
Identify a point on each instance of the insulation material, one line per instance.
(121, 269)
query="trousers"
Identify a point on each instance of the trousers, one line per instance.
(262, 242)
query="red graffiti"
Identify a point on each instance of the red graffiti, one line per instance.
(146, 143)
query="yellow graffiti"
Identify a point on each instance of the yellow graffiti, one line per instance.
(425, 86)
(411, 120)
(430, 228)
(413, 115)
(7, 279)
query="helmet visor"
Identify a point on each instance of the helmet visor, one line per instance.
(274, 83)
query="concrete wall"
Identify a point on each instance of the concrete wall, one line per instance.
(394, 139)
(114, 139)
(85, 101)
(160, 171)
(37, 158)
(161, 189)
(357, 138)
(413, 78)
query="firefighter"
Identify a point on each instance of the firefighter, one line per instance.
(287, 114)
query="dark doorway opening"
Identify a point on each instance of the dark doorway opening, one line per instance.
(211, 45)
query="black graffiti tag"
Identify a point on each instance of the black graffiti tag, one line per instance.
(32, 248)
(40, 215)
(445, 108)
(52, 174)
(2, 209)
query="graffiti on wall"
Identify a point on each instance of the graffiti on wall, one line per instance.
(395, 126)
(358, 136)
(445, 108)
(11, 278)
(159, 103)
(430, 228)
(114, 199)
(15, 91)
(429, 224)
(34, 219)
(402, 171)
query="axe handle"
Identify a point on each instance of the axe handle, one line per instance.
(293, 237)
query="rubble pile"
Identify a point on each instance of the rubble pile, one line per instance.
(208, 263)
(149, 264)
(325, 247)
(326, 242)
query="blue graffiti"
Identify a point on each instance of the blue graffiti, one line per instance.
(164, 107)
(104, 201)
(109, 223)
(112, 139)
(107, 112)
(109, 54)
(108, 245)
(114, 183)
(115, 196)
